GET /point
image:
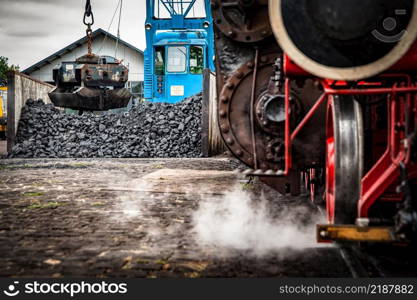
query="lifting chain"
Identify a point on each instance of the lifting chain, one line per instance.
(89, 14)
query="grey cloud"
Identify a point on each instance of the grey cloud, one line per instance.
(45, 26)
(13, 16)
(26, 34)
(53, 2)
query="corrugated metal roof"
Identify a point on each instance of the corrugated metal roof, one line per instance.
(73, 46)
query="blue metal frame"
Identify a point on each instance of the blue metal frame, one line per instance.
(176, 30)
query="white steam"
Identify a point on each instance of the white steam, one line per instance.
(225, 220)
(236, 222)
(131, 200)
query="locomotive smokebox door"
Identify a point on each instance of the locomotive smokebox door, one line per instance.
(344, 40)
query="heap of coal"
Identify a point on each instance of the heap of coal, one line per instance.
(149, 130)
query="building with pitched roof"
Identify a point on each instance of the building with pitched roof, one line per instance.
(104, 43)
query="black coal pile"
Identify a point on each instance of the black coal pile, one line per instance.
(148, 130)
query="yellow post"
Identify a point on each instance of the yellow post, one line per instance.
(3, 97)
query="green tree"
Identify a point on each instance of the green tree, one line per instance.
(4, 68)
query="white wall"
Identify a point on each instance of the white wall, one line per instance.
(20, 89)
(130, 57)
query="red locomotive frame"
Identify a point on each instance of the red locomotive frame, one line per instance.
(402, 108)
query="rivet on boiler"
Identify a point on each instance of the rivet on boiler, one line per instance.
(231, 33)
(225, 128)
(224, 99)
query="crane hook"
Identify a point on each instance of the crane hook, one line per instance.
(89, 14)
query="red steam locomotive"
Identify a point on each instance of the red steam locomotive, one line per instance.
(323, 92)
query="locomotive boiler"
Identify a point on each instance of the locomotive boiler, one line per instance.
(323, 93)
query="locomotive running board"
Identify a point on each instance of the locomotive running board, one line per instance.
(352, 233)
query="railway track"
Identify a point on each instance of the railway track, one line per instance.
(379, 260)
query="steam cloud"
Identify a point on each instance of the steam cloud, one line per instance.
(221, 226)
(236, 222)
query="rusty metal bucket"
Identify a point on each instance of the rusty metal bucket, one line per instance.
(90, 99)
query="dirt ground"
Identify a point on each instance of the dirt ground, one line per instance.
(133, 218)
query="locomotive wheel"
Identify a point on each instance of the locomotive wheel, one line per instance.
(344, 160)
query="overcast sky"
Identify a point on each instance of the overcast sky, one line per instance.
(31, 30)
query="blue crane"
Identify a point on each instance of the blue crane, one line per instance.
(180, 45)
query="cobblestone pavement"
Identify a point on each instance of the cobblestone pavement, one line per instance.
(130, 218)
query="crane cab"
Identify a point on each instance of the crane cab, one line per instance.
(179, 61)
(180, 45)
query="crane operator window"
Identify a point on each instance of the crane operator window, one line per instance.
(196, 60)
(177, 59)
(159, 60)
(165, 9)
